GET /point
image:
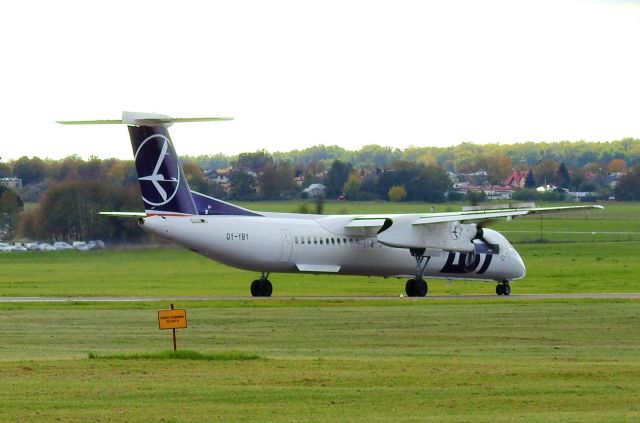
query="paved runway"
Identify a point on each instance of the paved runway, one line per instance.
(595, 296)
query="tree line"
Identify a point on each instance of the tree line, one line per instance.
(63, 196)
(459, 158)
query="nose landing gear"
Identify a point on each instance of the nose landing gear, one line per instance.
(503, 288)
(262, 287)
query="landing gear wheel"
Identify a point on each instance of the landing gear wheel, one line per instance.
(265, 288)
(255, 288)
(506, 288)
(500, 289)
(410, 288)
(261, 288)
(420, 288)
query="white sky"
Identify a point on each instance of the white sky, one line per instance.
(301, 73)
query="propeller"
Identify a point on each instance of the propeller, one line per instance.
(480, 231)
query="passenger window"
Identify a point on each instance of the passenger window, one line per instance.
(321, 241)
(315, 240)
(333, 241)
(295, 238)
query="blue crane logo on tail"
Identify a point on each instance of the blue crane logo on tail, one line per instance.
(162, 170)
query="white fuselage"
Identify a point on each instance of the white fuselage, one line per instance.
(280, 242)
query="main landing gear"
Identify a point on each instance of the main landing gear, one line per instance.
(418, 287)
(503, 288)
(262, 287)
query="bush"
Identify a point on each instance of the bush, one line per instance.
(397, 193)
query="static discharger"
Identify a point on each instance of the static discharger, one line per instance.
(172, 319)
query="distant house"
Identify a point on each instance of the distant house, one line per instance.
(11, 182)
(315, 190)
(217, 176)
(517, 179)
(547, 188)
(476, 178)
(493, 192)
(498, 192)
(581, 196)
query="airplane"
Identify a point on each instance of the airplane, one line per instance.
(451, 245)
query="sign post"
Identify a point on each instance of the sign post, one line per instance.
(172, 319)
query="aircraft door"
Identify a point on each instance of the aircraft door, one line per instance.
(287, 245)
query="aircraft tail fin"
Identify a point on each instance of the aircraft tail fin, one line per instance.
(163, 185)
(162, 181)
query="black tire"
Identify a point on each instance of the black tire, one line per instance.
(421, 288)
(499, 289)
(255, 288)
(506, 288)
(410, 288)
(265, 288)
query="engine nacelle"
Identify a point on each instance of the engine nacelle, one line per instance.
(449, 236)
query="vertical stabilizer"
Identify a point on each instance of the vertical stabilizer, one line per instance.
(163, 185)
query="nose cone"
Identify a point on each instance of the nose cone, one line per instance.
(519, 271)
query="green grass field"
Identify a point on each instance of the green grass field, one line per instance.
(555, 267)
(398, 361)
(493, 359)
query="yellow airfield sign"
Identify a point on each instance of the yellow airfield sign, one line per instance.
(172, 319)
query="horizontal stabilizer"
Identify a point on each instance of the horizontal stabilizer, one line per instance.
(142, 119)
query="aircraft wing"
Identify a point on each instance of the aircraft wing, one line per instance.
(372, 221)
(490, 214)
(451, 231)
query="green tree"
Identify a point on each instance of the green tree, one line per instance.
(30, 170)
(545, 171)
(242, 185)
(397, 193)
(194, 176)
(69, 211)
(563, 179)
(422, 183)
(10, 208)
(529, 181)
(276, 181)
(5, 170)
(351, 188)
(628, 187)
(255, 161)
(336, 178)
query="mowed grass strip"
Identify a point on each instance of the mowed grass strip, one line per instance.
(502, 361)
(177, 355)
